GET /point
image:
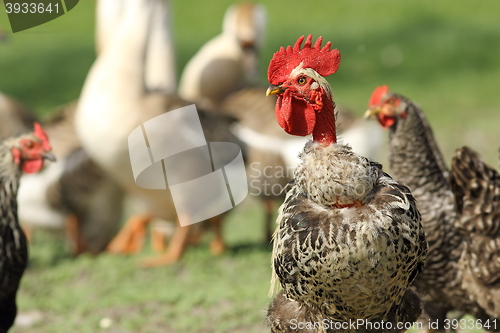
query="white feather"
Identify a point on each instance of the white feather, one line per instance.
(34, 210)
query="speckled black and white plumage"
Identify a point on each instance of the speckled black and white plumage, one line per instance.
(477, 191)
(347, 263)
(13, 245)
(416, 160)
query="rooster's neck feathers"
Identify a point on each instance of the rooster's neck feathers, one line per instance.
(350, 176)
(10, 174)
(9, 170)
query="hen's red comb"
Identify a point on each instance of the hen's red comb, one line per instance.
(377, 95)
(40, 133)
(322, 60)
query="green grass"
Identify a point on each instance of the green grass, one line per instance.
(202, 293)
(443, 54)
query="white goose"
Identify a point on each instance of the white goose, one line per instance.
(230, 56)
(123, 90)
(160, 59)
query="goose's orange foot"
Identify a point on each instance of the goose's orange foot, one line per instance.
(131, 238)
(73, 234)
(217, 245)
(158, 240)
(174, 252)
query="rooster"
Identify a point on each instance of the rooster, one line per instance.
(25, 153)
(349, 240)
(416, 160)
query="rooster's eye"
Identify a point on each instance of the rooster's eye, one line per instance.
(301, 80)
(29, 144)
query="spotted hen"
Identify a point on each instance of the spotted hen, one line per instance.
(25, 153)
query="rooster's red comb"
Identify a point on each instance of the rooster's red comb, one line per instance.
(377, 95)
(321, 59)
(40, 133)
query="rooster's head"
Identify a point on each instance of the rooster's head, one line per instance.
(297, 77)
(30, 150)
(387, 107)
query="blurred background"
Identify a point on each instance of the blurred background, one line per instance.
(442, 54)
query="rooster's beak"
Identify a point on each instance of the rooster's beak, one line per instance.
(49, 156)
(372, 112)
(273, 90)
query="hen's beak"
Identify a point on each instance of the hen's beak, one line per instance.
(49, 156)
(273, 90)
(372, 112)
